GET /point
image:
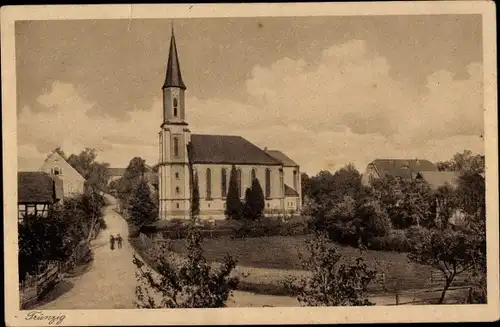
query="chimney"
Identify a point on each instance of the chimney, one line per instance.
(265, 148)
(417, 162)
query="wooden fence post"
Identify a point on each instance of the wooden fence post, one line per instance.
(397, 299)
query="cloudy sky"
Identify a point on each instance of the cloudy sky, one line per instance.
(325, 90)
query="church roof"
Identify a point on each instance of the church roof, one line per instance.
(228, 149)
(173, 77)
(290, 191)
(280, 156)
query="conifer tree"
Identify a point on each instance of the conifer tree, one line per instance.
(195, 198)
(247, 209)
(233, 202)
(256, 200)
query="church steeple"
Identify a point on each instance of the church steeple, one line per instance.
(173, 77)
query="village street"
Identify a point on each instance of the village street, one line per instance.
(110, 281)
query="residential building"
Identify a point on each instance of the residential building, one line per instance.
(56, 165)
(401, 168)
(37, 193)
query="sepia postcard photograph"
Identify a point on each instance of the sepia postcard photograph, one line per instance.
(250, 163)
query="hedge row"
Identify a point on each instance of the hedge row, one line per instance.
(235, 228)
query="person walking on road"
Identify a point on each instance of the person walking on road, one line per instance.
(112, 242)
(119, 239)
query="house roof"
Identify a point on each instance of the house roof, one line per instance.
(436, 179)
(35, 187)
(67, 164)
(290, 191)
(116, 171)
(228, 149)
(173, 77)
(402, 167)
(281, 157)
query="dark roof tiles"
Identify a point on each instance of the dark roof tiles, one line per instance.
(173, 77)
(290, 191)
(402, 167)
(35, 187)
(436, 179)
(228, 149)
(280, 156)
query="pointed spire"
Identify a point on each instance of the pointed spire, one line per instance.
(173, 77)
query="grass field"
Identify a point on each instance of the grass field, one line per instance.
(273, 258)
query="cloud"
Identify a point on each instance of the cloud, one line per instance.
(66, 123)
(343, 108)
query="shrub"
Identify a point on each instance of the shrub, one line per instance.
(190, 283)
(416, 235)
(395, 241)
(332, 283)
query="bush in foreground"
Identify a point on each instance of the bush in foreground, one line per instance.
(189, 283)
(332, 283)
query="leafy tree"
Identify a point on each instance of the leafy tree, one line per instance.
(332, 283)
(94, 172)
(471, 194)
(142, 208)
(84, 212)
(188, 283)
(452, 252)
(464, 162)
(408, 202)
(43, 239)
(131, 177)
(326, 190)
(371, 220)
(446, 205)
(305, 181)
(233, 202)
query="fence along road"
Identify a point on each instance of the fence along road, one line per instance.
(110, 282)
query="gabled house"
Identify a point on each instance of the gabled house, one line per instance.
(399, 168)
(56, 165)
(37, 193)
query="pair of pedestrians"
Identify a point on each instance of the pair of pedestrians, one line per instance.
(118, 239)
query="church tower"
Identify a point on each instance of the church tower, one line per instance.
(174, 192)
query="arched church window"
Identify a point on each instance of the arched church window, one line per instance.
(268, 183)
(238, 179)
(209, 183)
(177, 190)
(175, 107)
(176, 147)
(223, 183)
(176, 175)
(57, 171)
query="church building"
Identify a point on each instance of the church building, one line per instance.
(213, 157)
